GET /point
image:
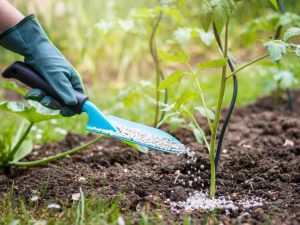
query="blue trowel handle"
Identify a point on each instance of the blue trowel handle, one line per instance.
(30, 77)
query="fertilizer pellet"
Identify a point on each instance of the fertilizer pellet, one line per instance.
(143, 137)
(200, 200)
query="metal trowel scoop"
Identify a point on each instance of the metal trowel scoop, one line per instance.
(106, 125)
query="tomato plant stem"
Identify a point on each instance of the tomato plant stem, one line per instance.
(218, 112)
(57, 156)
(19, 143)
(246, 65)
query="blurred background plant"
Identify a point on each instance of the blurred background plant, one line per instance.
(108, 43)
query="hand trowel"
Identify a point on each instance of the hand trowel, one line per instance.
(107, 125)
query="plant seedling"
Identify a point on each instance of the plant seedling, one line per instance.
(215, 14)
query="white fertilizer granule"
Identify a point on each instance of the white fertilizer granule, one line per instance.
(144, 137)
(200, 200)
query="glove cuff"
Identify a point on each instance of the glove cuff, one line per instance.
(23, 37)
(18, 25)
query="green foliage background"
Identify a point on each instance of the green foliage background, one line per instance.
(108, 43)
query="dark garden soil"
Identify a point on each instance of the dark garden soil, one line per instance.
(261, 158)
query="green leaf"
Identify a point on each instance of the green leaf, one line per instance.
(16, 137)
(276, 49)
(197, 133)
(168, 118)
(212, 64)
(206, 37)
(177, 56)
(221, 10)
(173, 78)
(285, 78)
(210, 114)
(13, 86)
(24, 150)
(205, 14)
(187, 96)
(174, 123)
(33, 111)
(274, 3)
(291, 32)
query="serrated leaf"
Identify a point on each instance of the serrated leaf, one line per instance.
(274, 3)
(177, 56)
(291, 32)
(212, 64)
(187, 96)
(210, 114)
(24, 150)
(33, 111)
(173, 78)
(276, 49)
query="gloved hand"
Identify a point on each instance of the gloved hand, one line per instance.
(28, 39)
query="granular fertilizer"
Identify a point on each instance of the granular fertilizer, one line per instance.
(144, 138)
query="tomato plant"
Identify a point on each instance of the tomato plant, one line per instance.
(216, 15)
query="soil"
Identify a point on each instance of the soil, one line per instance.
(260, 159)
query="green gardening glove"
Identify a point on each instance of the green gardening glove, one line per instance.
(28, 39)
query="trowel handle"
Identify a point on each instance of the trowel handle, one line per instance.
(30, 77)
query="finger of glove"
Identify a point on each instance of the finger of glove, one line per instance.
(65, 111)
(35, 95)
(76, 81)
(50, 103)
(63, 87)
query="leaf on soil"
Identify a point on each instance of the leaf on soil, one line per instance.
(187, 96)
(276, 49)
(291, 33)
(212, 64)
(173, 78)
(33, 111)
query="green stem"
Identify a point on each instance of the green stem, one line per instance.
(197, 125)
(19, 143)
(152, 46)
(57, 156)
(218, 113)
(246, 65)
(201, 95)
